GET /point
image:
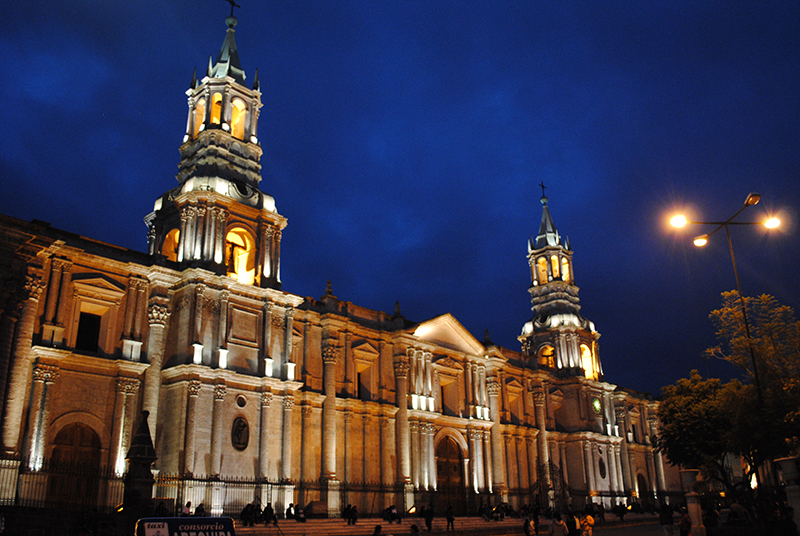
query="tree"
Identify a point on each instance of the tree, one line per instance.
(775, 339)
(696, 425)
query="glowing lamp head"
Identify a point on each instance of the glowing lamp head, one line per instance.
(752, 199)
(701, 240)
(678, 221)
(772, 223)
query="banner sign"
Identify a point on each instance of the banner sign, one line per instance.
(185, 526)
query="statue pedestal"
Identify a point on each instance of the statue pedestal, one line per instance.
(689, 478)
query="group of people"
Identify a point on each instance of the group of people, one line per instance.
(350, 514)
(569, 524)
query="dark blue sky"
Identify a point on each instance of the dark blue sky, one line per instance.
(404, 141)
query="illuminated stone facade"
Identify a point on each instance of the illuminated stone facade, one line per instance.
(315, 401)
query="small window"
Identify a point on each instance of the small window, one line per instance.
(216, 109)
(565, 270)
(88, 337)
(238, 115)
(198, 117)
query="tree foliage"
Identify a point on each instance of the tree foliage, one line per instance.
(703, 421)
(775, 339)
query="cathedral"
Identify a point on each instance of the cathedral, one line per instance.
(251, 392)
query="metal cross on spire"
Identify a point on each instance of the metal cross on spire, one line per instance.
(543, 187)
(233, 5)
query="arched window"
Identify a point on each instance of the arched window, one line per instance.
(554, 262)
(541, 264)
(546, 356)
(198, 117)
(170, 247)
(216, 109)
(565, 269)
(238, 115)
(240, 256)
(587, 362)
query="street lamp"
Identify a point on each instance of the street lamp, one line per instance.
(702, 240)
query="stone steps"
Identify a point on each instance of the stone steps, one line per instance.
(465, 526)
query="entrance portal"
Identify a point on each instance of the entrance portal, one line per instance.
(450, 476)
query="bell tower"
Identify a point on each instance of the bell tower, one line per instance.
(557, 337)
(217, 218)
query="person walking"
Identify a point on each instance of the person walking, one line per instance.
(667, 520)
(451, 518)
(557, 526)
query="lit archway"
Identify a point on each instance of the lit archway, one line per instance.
(238, 115)
(170, 247)
(587, 362)
(546, 356)
(240, 255)
(216, 109)
(198, 117)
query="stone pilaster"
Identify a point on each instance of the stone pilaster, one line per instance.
(217, 428)
(193, 392)
(286, 450)
(43, 377)
(330, 354)
(401, 422)
(263, 452)
(21, 367)
(157, 314)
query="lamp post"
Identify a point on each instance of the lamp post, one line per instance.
(702, 240)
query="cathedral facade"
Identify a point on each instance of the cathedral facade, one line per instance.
(254, 392)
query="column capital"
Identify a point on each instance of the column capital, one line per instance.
(538, 397)
(266, 399)
(128, 386)
(401, 369)
(194, 387)
(33, 287)
(220, 390)
(288, 402)
(45, 373)
(157, 312)
(330, 352)
(492, 386)
(307, 411)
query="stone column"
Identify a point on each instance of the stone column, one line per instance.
(130, 308)
(217, 429)
(498, 463)
(541, 438)
(183, 239)
(222, 336)
(219, 238)
(627, 473)
(120, 433)
(386, 459)
(659, 463)
(533, 464)
(51, 302)
(432, 456)
(157, 315)
(21, 367)
(618, 460)
(330, 354)
(306, 457)
(287, 345)
(348, 458)
(472, 475)
(62, 311)
(193, 392)
(8, 323)
(401, 422)
(286, 450)
(612, 467)
(43, 377)
(199, 227)
(416, 470)
(522, 463)
(480, 463)
(487, 457)
(263, 445)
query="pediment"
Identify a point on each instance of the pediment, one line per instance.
(445, 331)
(97, 283)
(364, 351)
(514, 385)
(450, 364)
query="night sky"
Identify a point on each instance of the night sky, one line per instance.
(405, 141)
